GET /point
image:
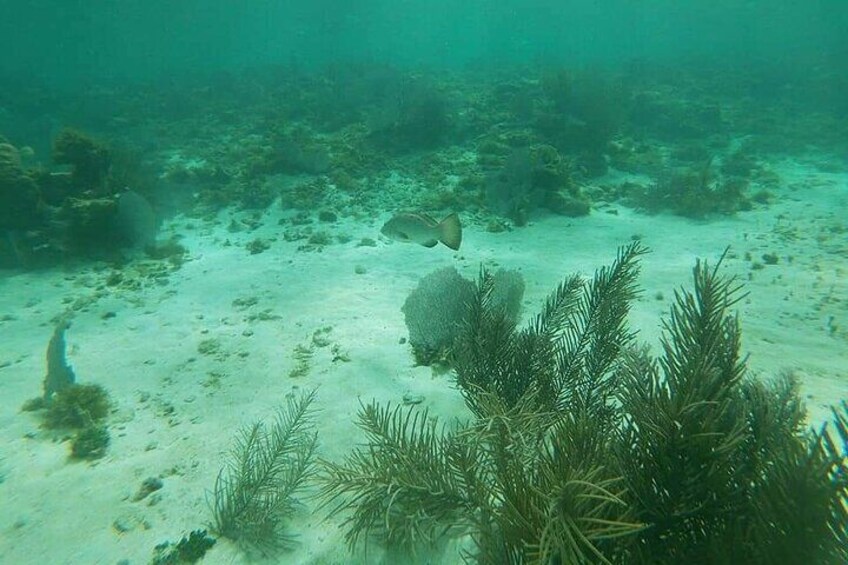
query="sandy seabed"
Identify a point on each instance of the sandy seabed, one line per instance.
(188, 361)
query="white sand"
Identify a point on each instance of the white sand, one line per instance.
(57, 511)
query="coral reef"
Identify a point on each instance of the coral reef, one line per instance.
(581, 114)
(295, 151)
(48, 216)
(90, 160)
(695, 192)
(88, 224)
(533, 177)
(328, 139)
(414, 116)
(19, 195)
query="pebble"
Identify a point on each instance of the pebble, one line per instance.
(410, 399)
(149, 485)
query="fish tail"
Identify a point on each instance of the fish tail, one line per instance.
(450, 232)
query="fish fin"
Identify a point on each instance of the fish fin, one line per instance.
(431, 243)
(450, 232)
(427, 218)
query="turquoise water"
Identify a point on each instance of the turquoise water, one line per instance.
(105, 40)
(423, 282)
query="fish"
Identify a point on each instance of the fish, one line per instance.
(420, 228)
(135, 220)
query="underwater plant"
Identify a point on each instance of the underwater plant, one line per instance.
(90, 442)
(586, 449)
(499, 480)
(77, 406)
(563, 357)
(267, 468)
(189, 549)
(695, 192)
(68, 405)
(719, 466)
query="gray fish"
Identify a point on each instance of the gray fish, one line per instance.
(424, 230)
(135, 219)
